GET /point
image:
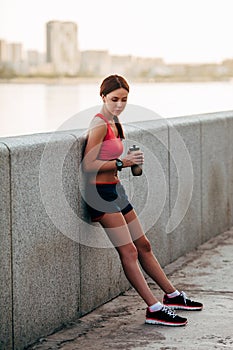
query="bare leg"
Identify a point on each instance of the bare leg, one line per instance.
(145, 255)
(117, 230)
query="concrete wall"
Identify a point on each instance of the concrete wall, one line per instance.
(55, 264)
(5, 251)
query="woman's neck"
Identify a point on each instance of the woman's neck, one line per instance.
(107, 114)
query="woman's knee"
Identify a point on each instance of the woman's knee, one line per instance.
(143, 246)
(128, 253)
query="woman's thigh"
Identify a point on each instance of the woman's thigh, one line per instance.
(134, 225)
(116, 228)
(139, 238)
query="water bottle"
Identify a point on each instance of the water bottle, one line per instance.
(135, 169)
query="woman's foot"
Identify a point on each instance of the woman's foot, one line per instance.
(181, 302)
(164, 317)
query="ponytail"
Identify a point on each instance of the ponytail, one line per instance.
(119, 127)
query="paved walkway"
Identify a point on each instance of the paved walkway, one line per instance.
(206, 275)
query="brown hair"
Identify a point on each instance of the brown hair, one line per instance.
(109, 84)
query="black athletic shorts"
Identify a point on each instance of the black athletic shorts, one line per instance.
(106, 198)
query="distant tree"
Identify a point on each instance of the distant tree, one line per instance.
(7, 72)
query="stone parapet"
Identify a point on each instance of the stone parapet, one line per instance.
(55, 264)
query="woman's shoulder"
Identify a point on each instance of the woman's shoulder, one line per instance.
(98, 121)
(98, 124)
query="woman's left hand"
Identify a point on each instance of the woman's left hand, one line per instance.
(132, 158)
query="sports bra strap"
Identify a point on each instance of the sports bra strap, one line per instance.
(102, 117)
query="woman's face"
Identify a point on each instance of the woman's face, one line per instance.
(116, 101)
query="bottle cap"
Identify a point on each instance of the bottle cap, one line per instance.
(134, 148)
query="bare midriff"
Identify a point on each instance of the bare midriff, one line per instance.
(107, 177)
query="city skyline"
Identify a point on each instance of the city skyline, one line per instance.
(63, 58)
(177, 31)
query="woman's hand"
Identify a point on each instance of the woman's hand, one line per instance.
(132, 158)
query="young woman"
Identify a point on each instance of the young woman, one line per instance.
(108, 204)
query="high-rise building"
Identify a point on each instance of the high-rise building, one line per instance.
(11, 52)
(3, 51)
(62, 47)
(12, 57)
(15, 52)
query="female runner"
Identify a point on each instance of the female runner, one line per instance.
(108, 204)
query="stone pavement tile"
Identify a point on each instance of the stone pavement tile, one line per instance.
(205, 274)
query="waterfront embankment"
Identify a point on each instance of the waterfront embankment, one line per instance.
(56, 266)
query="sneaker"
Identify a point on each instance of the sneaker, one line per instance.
(165, 317)
(181, 302)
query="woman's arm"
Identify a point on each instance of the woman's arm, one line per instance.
(91, 163)
(96, 135)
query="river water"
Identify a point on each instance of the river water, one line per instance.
(36, 108)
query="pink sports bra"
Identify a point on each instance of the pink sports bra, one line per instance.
(112, 146)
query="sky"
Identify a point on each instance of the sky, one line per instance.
(176, 30)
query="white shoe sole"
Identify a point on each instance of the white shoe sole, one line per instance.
(161, 323)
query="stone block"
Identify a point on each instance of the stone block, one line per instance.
(149, 192)
(101, 275)
(45, 254)
(215, 143)
(6, 335)
(229, 117)
(185, 185)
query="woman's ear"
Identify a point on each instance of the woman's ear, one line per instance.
(103, 98)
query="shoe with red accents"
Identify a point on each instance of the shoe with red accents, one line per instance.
(181, 302)
(164, 317)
